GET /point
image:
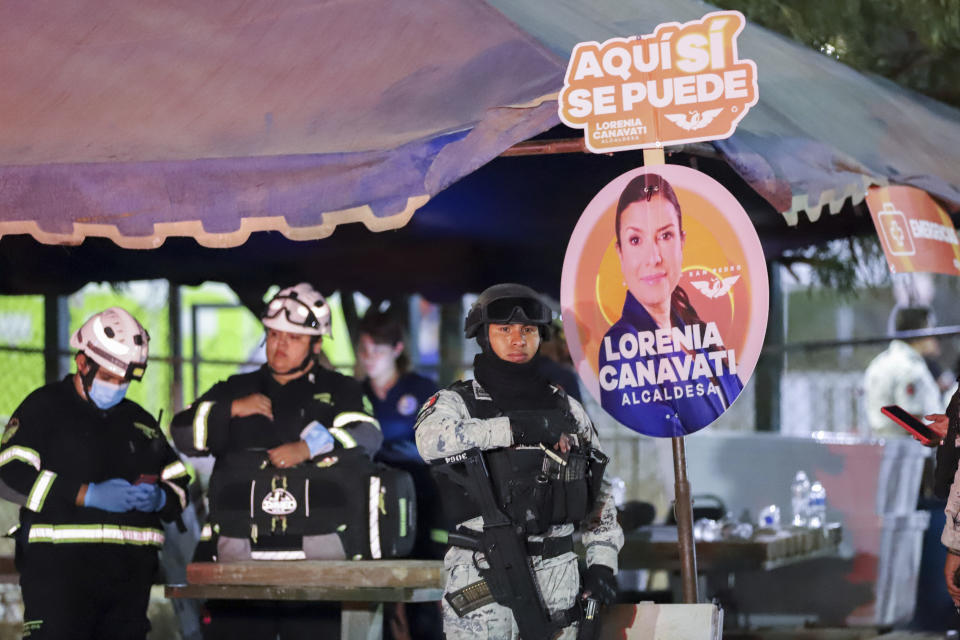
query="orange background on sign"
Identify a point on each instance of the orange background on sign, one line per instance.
(712, 246)
(931, 256)
(660, 130)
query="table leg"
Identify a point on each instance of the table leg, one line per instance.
(361, 621)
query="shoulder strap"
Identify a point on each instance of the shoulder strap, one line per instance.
(561, 394)
(479, 403)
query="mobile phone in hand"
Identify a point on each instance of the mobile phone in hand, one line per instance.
(899, 415)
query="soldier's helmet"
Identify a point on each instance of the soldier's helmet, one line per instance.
(508, 303)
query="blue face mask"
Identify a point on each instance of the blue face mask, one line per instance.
(106, 394)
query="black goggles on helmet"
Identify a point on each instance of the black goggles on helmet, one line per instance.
(296, 311)
(517, 310)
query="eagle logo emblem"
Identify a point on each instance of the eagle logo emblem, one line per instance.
(716, 288)
(697, 120)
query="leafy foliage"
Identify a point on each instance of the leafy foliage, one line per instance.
(915, 43)
(846, 266)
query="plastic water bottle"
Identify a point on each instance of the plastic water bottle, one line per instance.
(800, 499)
(769, 517)
(818, 505)
(619, 490)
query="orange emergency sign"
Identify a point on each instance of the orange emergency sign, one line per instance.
(916, 233)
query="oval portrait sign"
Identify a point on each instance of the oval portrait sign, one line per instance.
(664, 298)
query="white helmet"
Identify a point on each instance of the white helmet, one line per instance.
(298, 309)
(115, 341)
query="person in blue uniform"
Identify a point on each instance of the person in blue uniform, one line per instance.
(663, 370)
(397, 395)
(396, 392)
(94, 477)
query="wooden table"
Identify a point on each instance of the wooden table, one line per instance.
(718, 562)
(362, 586)
(655, 547)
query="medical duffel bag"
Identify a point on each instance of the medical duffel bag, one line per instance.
(340, 506)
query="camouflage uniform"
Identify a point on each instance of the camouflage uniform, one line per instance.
(445, 428)
(900, 376)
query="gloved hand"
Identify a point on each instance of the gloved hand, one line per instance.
(116, 495)
(600, 584)
(150, 498)
(317, 437)
(531, 427)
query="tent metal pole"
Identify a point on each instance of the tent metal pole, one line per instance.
(176, 347)
(56, 335)
(577, 145)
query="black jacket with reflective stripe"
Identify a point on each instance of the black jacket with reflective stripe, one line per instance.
(56, 441)
(332, 399)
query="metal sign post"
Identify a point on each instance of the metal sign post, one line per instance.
(683, 509)
(682, 504)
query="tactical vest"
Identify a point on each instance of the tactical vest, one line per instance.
(369, 507)
(534, 488)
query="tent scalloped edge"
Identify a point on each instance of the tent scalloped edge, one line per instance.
(194, 228)
(830, 198)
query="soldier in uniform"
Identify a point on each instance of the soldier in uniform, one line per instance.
(95, 477)
(511, 413)
(899, 375)
(293, 410)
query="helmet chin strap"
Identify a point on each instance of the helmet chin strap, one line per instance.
(86, 379)
(483, 337)
(304, 364)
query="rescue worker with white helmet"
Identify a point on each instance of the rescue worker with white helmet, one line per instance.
(544, 461)
(95, 477)
(293, 411)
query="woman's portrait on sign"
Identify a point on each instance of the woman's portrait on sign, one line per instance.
(663, 370)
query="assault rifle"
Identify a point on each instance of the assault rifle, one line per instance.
(509, 576)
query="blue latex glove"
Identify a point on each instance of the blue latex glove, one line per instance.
(150, 497)
(116, 495)
(317, 437)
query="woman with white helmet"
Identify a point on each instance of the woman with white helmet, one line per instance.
(291, 411)
(95, 477)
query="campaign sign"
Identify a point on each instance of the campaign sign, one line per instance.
(682, 83)
(916, 233)
(664, 299)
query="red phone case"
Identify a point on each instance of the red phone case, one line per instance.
(899, 415)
